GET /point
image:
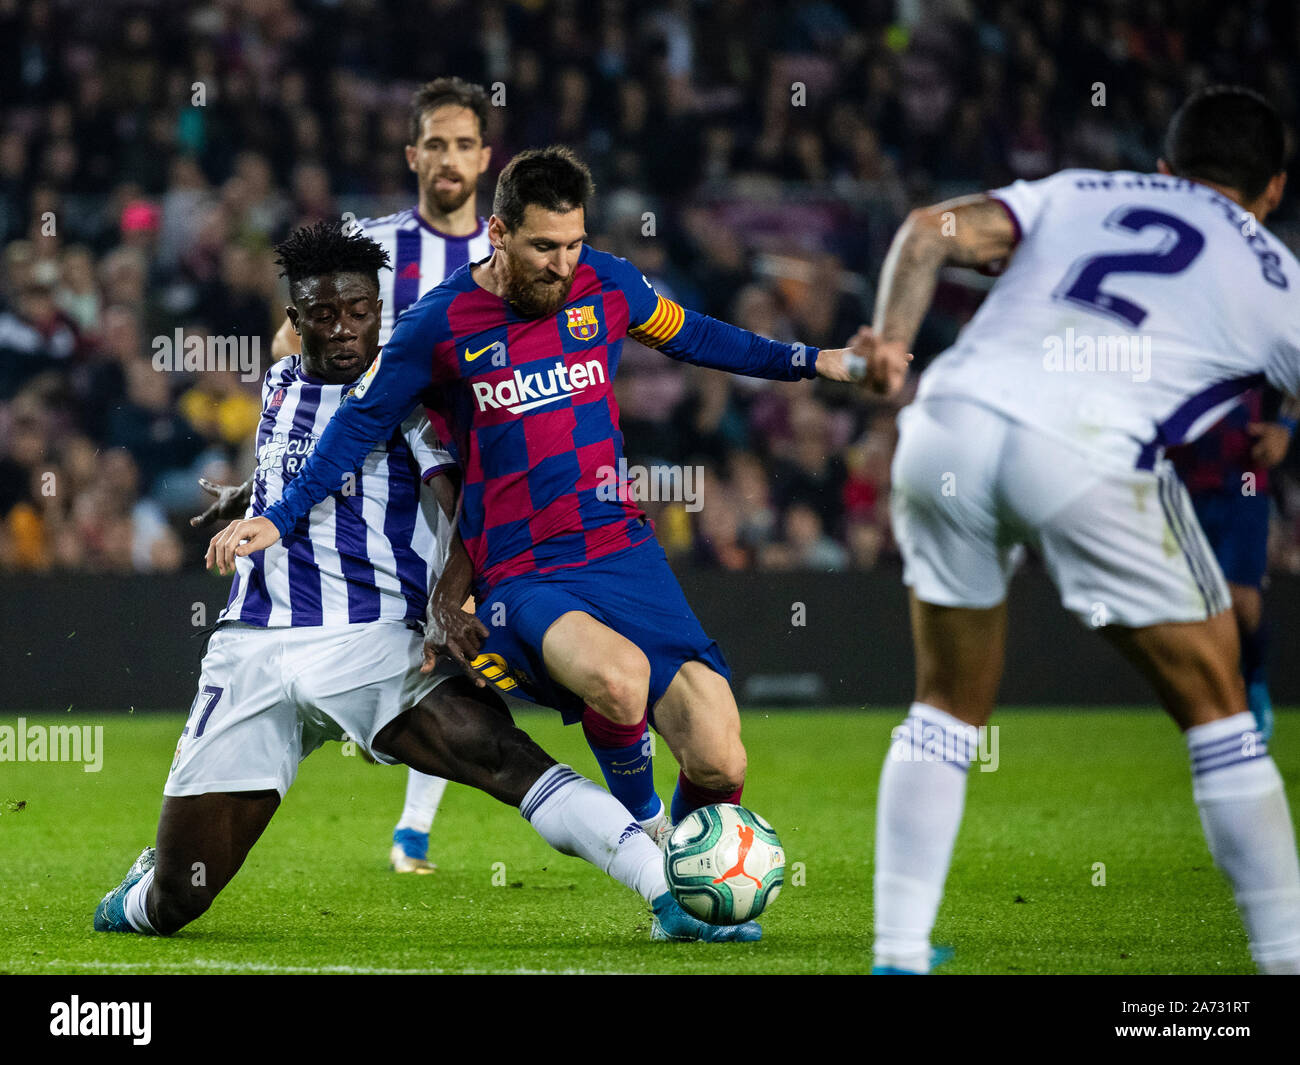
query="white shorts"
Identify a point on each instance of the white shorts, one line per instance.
(269, 697)
(971, 485)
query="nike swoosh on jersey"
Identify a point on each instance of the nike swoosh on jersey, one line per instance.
(471, 356)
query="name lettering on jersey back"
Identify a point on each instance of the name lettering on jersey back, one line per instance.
(522, 392)
(1270, 262)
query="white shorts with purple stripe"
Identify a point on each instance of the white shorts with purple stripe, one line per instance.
(972, 485)
(268, 697)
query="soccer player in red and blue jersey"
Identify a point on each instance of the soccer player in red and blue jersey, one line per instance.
(576, 602)
(317, 642)
(1226, 474)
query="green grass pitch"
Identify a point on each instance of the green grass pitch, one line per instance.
(1073, 789)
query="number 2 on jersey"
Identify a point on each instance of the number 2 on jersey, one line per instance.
(1182, 243)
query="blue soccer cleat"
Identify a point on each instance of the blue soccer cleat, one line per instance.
(1261, 706)
(672, 924)
(410, 853)
(938, 955)
(109, 914)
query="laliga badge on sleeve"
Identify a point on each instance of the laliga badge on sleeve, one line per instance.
(359, 389)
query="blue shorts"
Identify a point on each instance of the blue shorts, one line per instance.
(1237, 527)
(633, 592)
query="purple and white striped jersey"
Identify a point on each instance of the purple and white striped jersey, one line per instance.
(421, 258)
(369, 552)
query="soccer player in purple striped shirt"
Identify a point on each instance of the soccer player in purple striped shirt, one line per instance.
(322, 638)
(426, 243)
(577, 604)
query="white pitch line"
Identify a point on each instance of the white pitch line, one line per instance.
(212, 965)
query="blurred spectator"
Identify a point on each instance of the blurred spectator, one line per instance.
(754, 160)
(147, 426)
(753, 492)
(806, 540)
(21, 464)
(36, 335)
(810, 471)
(719, 543)
(221, 408)
(78, 296)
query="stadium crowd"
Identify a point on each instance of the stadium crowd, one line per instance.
(753, 159)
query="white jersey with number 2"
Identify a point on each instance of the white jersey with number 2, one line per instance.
(1136, 309)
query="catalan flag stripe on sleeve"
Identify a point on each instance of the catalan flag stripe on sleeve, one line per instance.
(662, 326)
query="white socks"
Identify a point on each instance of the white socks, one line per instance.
(1243, 809)
(1238, 792)
(922, 795)
(580, 818)
(423, 794)
(133, 906)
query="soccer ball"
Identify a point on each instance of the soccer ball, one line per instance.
(724, 864)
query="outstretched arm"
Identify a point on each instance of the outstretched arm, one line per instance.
(970, 231)
(688, 336)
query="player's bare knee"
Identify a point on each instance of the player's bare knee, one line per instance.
(622, 687)
(521, 763)
(480, 745)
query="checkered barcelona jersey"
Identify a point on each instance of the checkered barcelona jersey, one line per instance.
(368, 554)
(528, 408)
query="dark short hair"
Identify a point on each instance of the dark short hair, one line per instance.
(442, 92)
(1229, 135)
(553, 179)
(329, 248)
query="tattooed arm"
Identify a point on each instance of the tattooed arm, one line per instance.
(970, 231)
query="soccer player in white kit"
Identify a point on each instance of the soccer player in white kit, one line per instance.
(1134, 310)
(426, 244)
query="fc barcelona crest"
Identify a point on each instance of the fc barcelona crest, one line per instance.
(582, 322)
